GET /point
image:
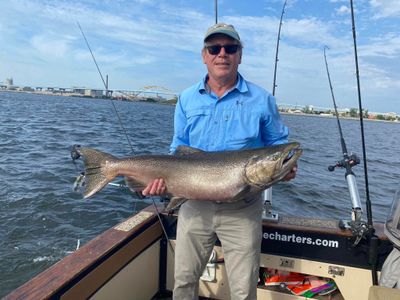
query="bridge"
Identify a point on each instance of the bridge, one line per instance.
(159, 92)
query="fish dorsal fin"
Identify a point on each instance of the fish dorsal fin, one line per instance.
(185, 150)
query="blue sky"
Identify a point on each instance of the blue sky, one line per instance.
(142, 43)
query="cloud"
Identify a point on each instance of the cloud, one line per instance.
(387, 45)
(50, 46)
(343, 10)
(385, 8)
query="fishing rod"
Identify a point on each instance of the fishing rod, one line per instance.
(80, 181)
(75, 155)
(348, 162)
(277, 49)
(373, 239)
(368, 200)
(267, 194)
(105, 83)
(216, 11)
(359, 227)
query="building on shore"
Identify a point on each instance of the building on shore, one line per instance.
(9, 82)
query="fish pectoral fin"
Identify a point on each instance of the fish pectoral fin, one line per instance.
(242, 194)
(185, 150)
(175, 203)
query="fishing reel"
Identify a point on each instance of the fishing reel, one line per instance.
(348, 162)
(358, 228)
(357, 225)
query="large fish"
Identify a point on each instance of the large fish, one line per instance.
(194, 174)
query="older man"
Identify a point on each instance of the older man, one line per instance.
(222, 112)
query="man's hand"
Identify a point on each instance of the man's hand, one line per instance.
(155, 188)
(292, 174)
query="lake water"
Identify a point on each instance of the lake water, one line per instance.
(42, 218)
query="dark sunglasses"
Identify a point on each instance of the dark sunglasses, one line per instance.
(216, 49)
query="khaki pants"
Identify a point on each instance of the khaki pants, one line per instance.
(238, 227)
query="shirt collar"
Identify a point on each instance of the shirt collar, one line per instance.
(241, 85)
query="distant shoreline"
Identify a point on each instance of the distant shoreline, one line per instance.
(168, 102)
(334, 117)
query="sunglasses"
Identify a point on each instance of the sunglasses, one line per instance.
(216, 49)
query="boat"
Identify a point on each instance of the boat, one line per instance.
(135, 260)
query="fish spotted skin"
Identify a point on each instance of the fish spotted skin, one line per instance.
(226, 176)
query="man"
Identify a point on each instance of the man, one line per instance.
(222, 112)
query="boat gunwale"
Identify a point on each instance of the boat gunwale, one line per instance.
(53, 282)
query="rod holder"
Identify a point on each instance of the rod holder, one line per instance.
(268, 214)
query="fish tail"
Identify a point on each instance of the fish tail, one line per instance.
(97, 170)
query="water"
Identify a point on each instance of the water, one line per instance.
(42, 218)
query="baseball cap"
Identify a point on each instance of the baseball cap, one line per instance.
(222, 28)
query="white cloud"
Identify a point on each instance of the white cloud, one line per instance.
(385, 8)
(50, 46)
(343, 10)
(385, 46)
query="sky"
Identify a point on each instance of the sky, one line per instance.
(141, 43)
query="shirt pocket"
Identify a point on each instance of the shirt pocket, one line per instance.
(197, 126)
(198, 116)
(243, 129)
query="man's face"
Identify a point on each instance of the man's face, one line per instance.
(222, 65)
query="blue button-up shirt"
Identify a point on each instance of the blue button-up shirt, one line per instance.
(244, 117)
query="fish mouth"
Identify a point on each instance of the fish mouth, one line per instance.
(289, 160)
